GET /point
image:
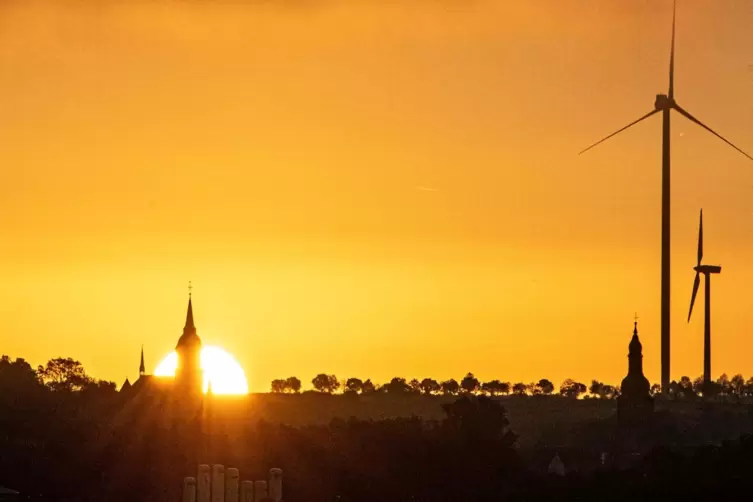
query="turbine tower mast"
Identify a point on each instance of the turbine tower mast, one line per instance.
(706, 270)
(665, 103)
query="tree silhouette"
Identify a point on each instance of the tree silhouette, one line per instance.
(469, 384)
(292, 384)
(749, 387)
(415, 386)
(698, 386)
(64, 374)
(596, 389)
(545, 386)
(278, 386)
(430, 386)
(99, 388)
(572, 389)
(602, 390)
(325, 383)
(520, 389)
(354, 385)
(480, 420)
(611, 392)
(655, 389)
(685, 388)
(17, 376)
(368, 387)
(495, 388)
(397, 386)
(724, 385)
(737, 384)
(450, 387)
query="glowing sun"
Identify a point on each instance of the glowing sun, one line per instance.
(219, 367)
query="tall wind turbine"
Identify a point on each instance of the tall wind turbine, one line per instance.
(706, 270)
(665, 103)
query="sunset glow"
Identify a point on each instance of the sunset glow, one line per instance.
(343, 178)
(219, 367)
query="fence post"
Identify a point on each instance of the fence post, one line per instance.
(247, 491)
(202, 484)
(218, 483)
(260, 490)
(275, 484)
(231, 484)
(189, 489)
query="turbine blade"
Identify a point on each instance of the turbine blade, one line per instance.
(672, 55)
(618, 132)
(700, 240)
(693, 119)
(696, 283)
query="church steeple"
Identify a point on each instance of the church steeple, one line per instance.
(635, 383)
(189, 317)
(189, 330)
(635, 353)
(142, 366)
(635, 401)
(188, 375)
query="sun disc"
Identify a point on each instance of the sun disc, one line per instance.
(219, 367)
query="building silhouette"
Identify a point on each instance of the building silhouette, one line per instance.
(635, 402)
(189, 378)
(188, 375)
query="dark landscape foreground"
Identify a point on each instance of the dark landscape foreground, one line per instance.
(91, 443)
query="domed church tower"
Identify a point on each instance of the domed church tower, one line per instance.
(635, 401)
(188, 376)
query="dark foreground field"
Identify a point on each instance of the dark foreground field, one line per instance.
(536, 420)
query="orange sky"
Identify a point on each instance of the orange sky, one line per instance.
(278, 153)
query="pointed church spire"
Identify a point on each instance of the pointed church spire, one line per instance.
(636, 348)
(142, 366)
(189, 315)
(189, 330)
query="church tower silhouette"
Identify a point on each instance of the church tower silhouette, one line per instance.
(188, 375)
(635, 402)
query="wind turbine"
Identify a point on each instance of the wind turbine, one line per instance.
(706, 270)
(665, 103)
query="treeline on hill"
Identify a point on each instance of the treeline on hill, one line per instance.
(685, 388)
(67, 436)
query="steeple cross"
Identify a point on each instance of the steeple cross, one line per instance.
(636, 317)
(190, 287)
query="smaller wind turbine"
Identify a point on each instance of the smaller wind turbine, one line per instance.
(706, 270)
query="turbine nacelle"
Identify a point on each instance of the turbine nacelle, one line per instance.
(708, 269)
(663, 102)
